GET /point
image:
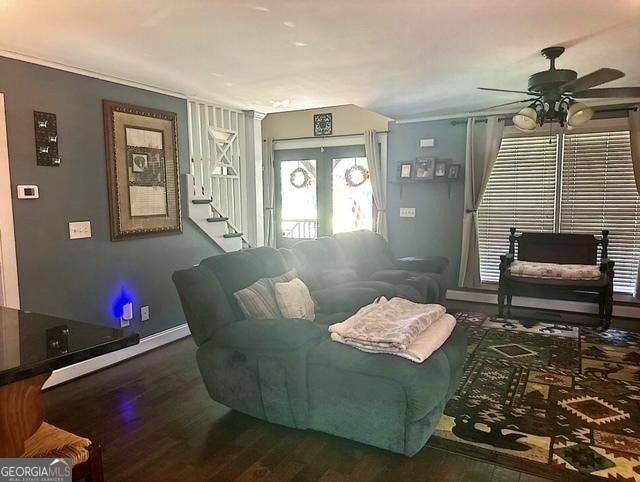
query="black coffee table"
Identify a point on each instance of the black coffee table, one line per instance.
(31, 347)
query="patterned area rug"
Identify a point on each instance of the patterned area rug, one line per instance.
(547, 398)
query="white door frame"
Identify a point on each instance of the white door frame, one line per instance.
(9, 293)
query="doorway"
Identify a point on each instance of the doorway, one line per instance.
(9, 295)
(321, 191)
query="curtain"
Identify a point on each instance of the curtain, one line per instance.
(372, 151)
(483, 145)
(634, 134)
(269, 194)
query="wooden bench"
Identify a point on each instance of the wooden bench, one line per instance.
(562, 249)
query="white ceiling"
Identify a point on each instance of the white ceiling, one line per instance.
(403, 59)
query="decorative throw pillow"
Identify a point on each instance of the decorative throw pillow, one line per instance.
(258, 300)
(294, 300)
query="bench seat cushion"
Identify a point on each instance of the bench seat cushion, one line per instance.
(529, 269)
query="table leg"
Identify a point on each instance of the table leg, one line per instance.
(21, 413)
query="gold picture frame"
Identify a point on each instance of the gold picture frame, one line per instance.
(142, 170)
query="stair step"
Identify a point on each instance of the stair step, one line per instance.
(202, 201)
(232, 235)
(217, 219)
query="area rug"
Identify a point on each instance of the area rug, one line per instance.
(547, 398)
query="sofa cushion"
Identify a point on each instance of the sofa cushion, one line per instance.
(333, 277)
(368, 251)
(344, 298)
(331, 318)
(294, 300)
(240, 269)
(425, 384)
(259, 300)
(267, 335)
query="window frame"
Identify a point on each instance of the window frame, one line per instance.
(594, 126)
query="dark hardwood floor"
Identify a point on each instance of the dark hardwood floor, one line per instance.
(156, 422)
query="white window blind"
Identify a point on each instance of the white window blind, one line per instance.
(520, 193)
(599, 192)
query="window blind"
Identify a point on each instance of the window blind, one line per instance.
(599, 192)
(520, 193)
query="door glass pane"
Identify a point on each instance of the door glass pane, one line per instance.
(352, 195)
(299, 212)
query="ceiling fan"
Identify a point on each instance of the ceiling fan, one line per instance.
(553, 93)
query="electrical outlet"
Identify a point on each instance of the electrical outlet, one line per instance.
(407, 212)
(80, 229)
(144, 313)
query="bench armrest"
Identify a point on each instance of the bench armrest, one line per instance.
(432, 264)
(607, 265)
(505, 261)
(282, 334)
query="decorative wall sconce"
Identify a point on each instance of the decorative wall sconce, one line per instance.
(46, 131)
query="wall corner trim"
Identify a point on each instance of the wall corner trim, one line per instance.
(146, 344)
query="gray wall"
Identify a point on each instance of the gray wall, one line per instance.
(80, 278)
(437, 227)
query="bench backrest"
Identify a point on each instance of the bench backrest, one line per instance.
(562, 248)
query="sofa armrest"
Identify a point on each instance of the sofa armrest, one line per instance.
(433, 264)
(282, 334)
(343, 298)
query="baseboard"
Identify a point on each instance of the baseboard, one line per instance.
(622, 311)
(98, 363)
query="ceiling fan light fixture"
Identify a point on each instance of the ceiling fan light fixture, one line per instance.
(579, 114)
(526, 120)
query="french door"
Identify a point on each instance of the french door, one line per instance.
(320, 192)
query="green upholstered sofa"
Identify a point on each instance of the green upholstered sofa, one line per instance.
(289, 372)
(363, 258)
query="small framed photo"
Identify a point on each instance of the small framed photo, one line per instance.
(425, 169)
(454, 171)
(405, 170)
(441, 169)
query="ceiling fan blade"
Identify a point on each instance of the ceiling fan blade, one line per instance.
(503, 90)
(596, 77)
(502, 105)
(611, 92)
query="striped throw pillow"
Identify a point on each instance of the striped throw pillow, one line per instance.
(258, 301)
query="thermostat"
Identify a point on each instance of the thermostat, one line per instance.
(28, 192)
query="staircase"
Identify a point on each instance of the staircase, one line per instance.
(213, 223)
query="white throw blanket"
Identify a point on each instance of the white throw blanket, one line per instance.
(398, 327)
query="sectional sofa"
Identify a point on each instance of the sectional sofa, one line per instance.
(288, 371)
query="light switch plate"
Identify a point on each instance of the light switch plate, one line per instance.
(144, 313)
(407, 212)
(427, 142)
(80, 229)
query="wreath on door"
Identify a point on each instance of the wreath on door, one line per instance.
(356, 175)
(300, 178)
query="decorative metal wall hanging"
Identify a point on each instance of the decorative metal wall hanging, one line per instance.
(322, 124)
(142, 168)
(46, 132)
